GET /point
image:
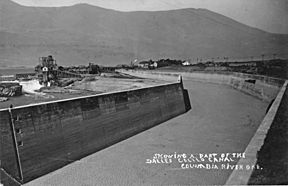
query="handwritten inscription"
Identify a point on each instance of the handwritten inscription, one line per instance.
(226, 161)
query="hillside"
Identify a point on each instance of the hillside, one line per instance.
(83, 33)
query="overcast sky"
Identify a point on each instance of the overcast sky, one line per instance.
(268, 15)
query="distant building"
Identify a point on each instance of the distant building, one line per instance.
(148, 64)
(144, 64)
(155, 64)
(186, 63)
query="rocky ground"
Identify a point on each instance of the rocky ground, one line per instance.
(10, 89)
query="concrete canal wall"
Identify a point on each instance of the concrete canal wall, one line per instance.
(267, 150)
(262, 87)
(40, 138)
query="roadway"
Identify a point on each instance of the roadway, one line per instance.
(222, 120)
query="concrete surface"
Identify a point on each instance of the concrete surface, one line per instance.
(239, 177)
(265, 88)
(221, 120)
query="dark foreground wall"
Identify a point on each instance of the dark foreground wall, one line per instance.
(44, 137)
(273, 155)
(267, 150)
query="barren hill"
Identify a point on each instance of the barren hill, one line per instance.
(83, 33)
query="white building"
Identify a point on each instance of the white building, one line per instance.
(186, 63)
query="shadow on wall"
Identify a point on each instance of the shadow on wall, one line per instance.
(186, 100)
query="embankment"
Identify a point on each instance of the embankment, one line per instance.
(40, 138)
(263, 87)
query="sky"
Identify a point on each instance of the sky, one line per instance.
(268, 15)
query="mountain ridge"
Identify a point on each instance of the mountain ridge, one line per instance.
(93, 34)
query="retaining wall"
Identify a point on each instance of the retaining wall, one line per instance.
(262, 87)
(273, 155)
(43, 137)
(267, 149)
